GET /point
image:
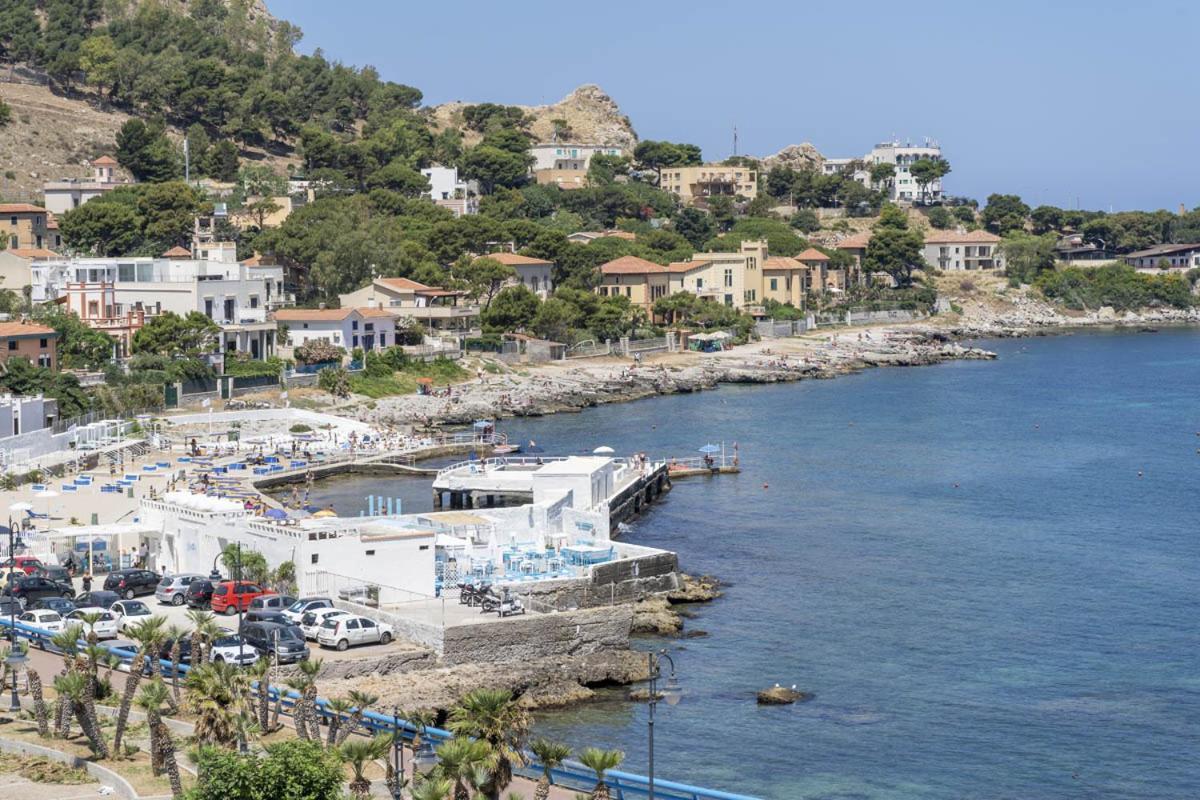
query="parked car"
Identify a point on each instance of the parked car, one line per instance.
(343, 632)
(60, 604)
(295, 612)
(99, 599)
(54, 573)
(229, 597)
(199, 593)
(27, 564)
(105, 627)
(271, 602)
(130, 613)
(8, 607)
(232, 649)
(129, 583)
(260, 615)
(29, 588)
(311, 622)
(43, 619)
(284, 642)
(172, 589)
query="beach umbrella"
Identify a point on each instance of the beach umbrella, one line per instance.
(709, 449)
(275, 513)
(21, 507)
(46, 494)
(534, 447)
(603, 450)
(325, 513)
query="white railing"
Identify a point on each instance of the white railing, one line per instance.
(498, 462)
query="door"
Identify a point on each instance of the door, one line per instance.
(353, 631)
(370, 631)
(230, 311)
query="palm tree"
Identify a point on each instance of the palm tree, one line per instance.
(358, 754)
(215, 694)
(460, 760)
(432, 789)
(550, 755)
(145, 633)
(260, 672)
(304, 708)
(174, 634)
(336, 708)
(420, 720)
(600, 762)
(204, 630)
(67, 642)
(39, 702)
(495, 717)
(362, 701)
(167, 752)
(75, 687)
(151, 699)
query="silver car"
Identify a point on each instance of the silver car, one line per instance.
(172, 588)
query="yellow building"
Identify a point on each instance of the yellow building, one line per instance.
(707, 180)
(25, 226)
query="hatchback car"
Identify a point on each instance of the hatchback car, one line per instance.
(99, 599)
(8, 607)
(60, 604)
(311, 622)
(129, 583)
(258, 615)
(295, 612)
(27, 564)
(54, 573)
(283, 642)
(172, 589)
(105, 627)
(31, 588)
(271, 602)
(229, 597)
(233, 649)
(44, 620)
(343, 632)
(199, 593)
(130, 613)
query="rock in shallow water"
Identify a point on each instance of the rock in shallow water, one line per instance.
(781, 696)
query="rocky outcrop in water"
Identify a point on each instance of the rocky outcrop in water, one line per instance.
(781, 696)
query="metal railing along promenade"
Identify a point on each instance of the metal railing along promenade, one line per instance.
(571, 775)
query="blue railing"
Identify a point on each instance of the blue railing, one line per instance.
(571, 775)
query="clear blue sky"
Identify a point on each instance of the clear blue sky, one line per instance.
(1056, 101)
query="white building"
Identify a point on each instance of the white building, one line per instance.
(535, 274)
(564, 155)
(62, 196)
(903, 187)
(963, 250)
(24, 413)
(368, 328)
(447, 191)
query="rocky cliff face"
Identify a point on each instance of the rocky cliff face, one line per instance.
(591, 115)
(796, 156)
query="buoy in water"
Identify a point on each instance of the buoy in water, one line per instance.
(766, 486)
(1139, 473)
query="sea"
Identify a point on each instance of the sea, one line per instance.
(986, 573)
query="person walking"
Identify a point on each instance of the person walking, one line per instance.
(87, 580)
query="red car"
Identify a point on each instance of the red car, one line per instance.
(26, 564)
(229, 597)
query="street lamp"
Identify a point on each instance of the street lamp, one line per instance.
(15, 657)
(397, 756)
(672, 693)
(424, 759)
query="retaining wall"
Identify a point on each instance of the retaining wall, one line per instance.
(573, 633)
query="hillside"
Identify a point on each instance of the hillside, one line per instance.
(590, 113)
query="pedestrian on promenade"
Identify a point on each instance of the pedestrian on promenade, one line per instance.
(87, 580)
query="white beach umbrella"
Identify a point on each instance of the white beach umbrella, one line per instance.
(21, 507)
(603, 450)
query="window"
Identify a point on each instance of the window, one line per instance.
(12, 344)
(353, 324)
(699, 283)
(369, 326)
(356, 340)
(43, 343)
(728, 278)
(12, 221)
(44, 360)
(352, 625)
(315, 556)
(774, 284)
(370, 552)
(366, 623)
(254, 301)
(629, 291)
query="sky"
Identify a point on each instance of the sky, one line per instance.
(1088, 104)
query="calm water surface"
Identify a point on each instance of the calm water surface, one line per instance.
(960, 561)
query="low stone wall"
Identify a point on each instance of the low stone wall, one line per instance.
(623, 581)
(575, 633)
(642, 492)
(120, 787)
(405, 628)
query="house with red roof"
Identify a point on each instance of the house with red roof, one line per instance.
(437, 309)
(535, 274)
(24, 226)
(963, 250)
(368, 328)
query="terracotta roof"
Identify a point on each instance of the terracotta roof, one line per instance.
(687, 266)
(1163, 249)
(812, 254)
(402, 283)
(857, 241)
(782, 262)
(253, 261)
(105, 161)
(958, 237)
(438, 292)
(515, 260)
(11, 329)
(630, 265)
(373, 312)
(21, 208)
(326, 314)
(32, 252)
(177, 252)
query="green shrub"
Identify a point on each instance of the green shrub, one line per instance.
(300, 427)
(1116, 285)
(334, 380)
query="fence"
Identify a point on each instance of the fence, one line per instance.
(774, 329)
(570, 775)
(590, 349)
(255, 381)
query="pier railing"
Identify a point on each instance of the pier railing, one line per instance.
(570, 775)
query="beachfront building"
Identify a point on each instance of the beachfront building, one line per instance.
(1165, 257)
(368, 328)
(645, 282)
(24, 413)
(447, 190)
(119, 295)
(568, 155)
(440, 311)
(27, 227)
(690, 184)
(37, 344)
(63, 195)
(963, 250)
(535, 274)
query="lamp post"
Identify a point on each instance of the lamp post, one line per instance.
(424, 759)
(15, 657)
(672, 693)
(397, 756)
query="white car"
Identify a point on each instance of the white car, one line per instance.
(232, 649)
(106, 627)
(130, 613)
(344, 631)
(311, 622)
(44, 620)
(295, 612)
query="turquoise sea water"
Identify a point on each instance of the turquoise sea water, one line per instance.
(960, 561)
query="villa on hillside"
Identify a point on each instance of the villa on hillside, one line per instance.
(27, 227)
(963, 250)
(1178, 257)
(68, 193)
(38, 344)
(368, 328)
(535, 274)
(690, 184)
(439, 310)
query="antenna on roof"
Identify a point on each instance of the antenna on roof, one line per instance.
(735, 139)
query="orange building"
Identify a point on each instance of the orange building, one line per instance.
(36, 343)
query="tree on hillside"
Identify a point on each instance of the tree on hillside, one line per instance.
(695, 226)
(1026, 257)
(99, 59)
(940, 218)
(723, 213)
(654, 155)
(604, 168)
(105, 229)
(925, 171)
(513, 309)
(169, 334)
(882, 175)
(1004, 213)
(494, 167)
(489, 116)
(400, 178)
(144, 150)
(894, 248)
(1046, 219)
(484, 278)
(5, 113)
(221, 161)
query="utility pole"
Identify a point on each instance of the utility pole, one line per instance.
(187, 162)
(735, 140)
